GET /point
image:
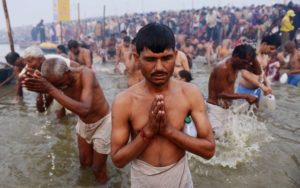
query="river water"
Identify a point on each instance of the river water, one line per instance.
(261, 150)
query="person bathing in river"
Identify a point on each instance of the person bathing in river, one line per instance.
(77, 89)
(293, 62)
(252, 83)
(221, 84)
(79, 54)
(148, 118)
(14, 59)
(33, 58)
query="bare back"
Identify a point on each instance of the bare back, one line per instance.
(221, 80)
(83, 58)
(86, 89)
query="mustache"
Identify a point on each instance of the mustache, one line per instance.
(159, 73)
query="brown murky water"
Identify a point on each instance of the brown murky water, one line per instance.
(37, 150)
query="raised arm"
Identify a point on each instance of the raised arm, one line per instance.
(88, 59)
(185, 62)
(19, 91)
(123, 152)
(82, 107)
(254, 81)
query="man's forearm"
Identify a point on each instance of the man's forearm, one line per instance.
(130, 151)
(296, 71)
(19, 90)
(204, 147)
(77, 107)
(232, 96)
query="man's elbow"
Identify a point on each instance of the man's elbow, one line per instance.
(84, 111)
(209, 154)
(210, 151)
(117, 162)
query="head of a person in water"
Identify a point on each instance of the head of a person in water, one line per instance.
(155, 46)
(14, 59)
(289, 47)
(185, 76)
(61, 49)
(244, 57)
(73, 46)
(127, 41)
(123, 33)
(188, 41)
(56, 72)
(269, 44)
(33, 57)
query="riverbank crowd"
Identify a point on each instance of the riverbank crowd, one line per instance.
(247, 49)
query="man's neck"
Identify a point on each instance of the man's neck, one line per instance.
(154, 89)
(72, 77)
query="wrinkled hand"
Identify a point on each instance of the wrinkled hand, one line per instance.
(251, 99)
(155, 117)
(35, 82)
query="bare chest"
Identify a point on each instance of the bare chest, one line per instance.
(176, 110)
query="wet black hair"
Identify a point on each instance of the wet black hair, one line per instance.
(273, 39)
(124, 32)
(244, 50)
(156, 37)
(62, 48)
(133, 41)
(186, 75)
(12, 57)
(73, 44)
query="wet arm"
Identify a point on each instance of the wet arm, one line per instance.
(281, 60)
(185, 62)
(123, 152)
(232, 96)
(204, 144)
(19, 90)
(118, 55)
(88, 59)
(251, 78)
(295, 71)
(256, 68)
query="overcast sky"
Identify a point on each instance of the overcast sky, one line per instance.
(25, 12)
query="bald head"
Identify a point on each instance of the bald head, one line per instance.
(54, 68)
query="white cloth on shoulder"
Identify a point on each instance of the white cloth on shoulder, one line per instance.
(177, 175)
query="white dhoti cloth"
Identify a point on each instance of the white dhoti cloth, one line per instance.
(217, 117)
(144, 175)
(98, 133)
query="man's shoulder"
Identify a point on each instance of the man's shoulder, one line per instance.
(221, 66)
(85, 70)
(124, 98)
(186, 88)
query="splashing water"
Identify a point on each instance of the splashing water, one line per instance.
(44, 104)
(242, 137)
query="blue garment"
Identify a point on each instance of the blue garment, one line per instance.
(243, 90)
(293, 79)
